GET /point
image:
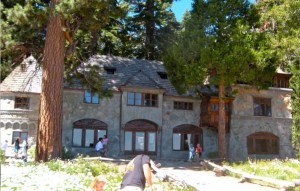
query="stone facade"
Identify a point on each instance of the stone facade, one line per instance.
(244, 123)
(117, 115)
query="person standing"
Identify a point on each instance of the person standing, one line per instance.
(4, 147)
(17, 147)
(138, 172)
(105, 141)
(24, 150)
(198, 151)
(191, 152)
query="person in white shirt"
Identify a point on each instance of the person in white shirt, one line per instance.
(99, 147)
(4, 147)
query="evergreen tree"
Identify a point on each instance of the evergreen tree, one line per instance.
(220, 41)
(152, 24)
(280, 20)
(51, 30)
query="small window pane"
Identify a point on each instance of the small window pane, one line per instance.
(95, 98)
(176, 141)
(138, 99)
(139, 141)
(87, 96)
(89, 138)
(151, 142)
(130, 98)
(128, 141)
(100, 134)
(77, 137)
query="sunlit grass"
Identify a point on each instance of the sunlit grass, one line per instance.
(71, 175)
(288, 169)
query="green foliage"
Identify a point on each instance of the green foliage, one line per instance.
(279, 169)
(2, 157)
(280, 20)
(151, 26)
(220, 36)
(31, 151)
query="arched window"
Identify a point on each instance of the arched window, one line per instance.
(140, 137)
(86, 132)
(183, 135)
(263, 143)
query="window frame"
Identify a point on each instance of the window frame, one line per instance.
(22, 103)
(141, 126)
(92, 96)
(88, 124)
(258, 142)
(142, 100)
(181, 105)
(259, 102)
(185, 130)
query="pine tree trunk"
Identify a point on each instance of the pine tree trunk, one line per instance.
(150, 30)
(49, 137)
(221, 126)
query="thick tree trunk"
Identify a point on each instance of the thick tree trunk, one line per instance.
(49, 137)
(221, 126)
(150, 30)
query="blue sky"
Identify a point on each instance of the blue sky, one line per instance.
(179, 7)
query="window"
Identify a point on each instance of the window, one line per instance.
(183, 105)
(22, 102)
(162, 75)
(90, 97)
(86, 132)
(262, 107)
(281, 81)
(22, 135)
(184, 135)
(140, 137)
(263, 143)
(142, 99)
(110, 70)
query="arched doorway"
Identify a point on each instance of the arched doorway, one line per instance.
(186, 134)
(140, 137)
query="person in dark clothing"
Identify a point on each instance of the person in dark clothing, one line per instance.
(17, 147)
(138, 172)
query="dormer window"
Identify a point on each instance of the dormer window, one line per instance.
(110, 70)
(163, 75)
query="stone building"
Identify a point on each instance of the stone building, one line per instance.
(147, 115)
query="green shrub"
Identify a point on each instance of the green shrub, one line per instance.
(2, 157)
(31, 151)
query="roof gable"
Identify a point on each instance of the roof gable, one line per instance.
(27, 77)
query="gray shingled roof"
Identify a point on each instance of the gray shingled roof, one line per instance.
(27, 77)
(128, 72)
(133, 73)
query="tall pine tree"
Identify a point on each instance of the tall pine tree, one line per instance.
(50, 30)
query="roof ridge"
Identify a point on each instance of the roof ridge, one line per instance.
(143, 73)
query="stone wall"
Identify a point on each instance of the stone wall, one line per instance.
(107, 111)
(172, 118)
(244, 123)
(18, 120)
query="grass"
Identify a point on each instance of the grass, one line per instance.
(70, 175)
(287, 170)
